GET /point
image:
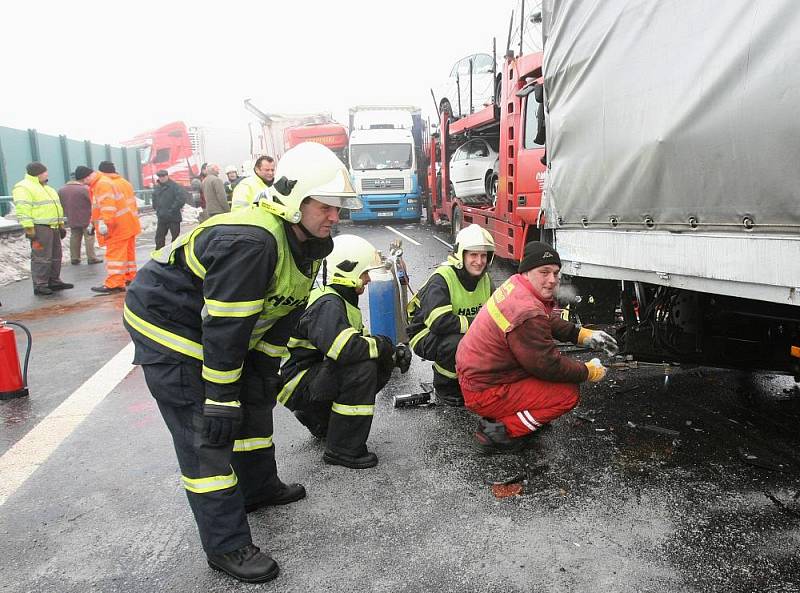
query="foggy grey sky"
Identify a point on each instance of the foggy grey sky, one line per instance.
(106, 71)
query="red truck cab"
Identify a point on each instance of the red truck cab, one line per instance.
(514, 216)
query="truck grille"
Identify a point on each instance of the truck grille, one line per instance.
(374, 184)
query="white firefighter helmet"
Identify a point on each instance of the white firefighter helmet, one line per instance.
(230, 169)
(472, 238)
(309, 170)
(351, 257)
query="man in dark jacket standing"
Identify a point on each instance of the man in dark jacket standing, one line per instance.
(77, 206)
(168, 199)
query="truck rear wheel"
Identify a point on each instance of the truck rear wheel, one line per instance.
(456, 222)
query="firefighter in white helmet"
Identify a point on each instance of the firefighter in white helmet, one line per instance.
(441, 312)
(335, 367)
(232, 179)
(210, 316)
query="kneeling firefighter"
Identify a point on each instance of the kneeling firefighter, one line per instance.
(335, 368)
(443, 309)
(210, 317)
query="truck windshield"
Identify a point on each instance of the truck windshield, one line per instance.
(380, 156)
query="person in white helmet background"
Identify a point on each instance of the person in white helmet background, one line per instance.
(443, 309)
(232, 179)
(335, 368)
(210, 316)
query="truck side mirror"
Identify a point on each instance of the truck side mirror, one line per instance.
(541, 133)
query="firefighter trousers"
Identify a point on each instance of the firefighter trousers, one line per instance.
(347, 419)
(219, 480)
(525, 405)
(442, 351)
(120, 261)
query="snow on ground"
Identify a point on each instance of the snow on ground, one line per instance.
(15, 250)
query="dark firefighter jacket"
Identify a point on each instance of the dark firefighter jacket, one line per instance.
(439, 310)
(221, 290)
(331, 328)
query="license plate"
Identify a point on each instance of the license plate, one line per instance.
(385, 213)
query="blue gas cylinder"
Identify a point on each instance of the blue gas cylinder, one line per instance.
(382, 294)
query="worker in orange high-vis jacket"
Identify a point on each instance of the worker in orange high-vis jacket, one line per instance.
(124, 187)
(116, 226)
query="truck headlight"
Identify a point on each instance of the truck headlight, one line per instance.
(412, 200)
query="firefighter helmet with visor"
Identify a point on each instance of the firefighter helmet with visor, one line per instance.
(471, 238)
(309, 170)
(350, 258)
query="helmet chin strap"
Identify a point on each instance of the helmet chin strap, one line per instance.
(304, 230)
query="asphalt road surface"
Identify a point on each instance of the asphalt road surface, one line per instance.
(664, 479)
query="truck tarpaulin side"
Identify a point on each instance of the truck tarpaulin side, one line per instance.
(694, 112)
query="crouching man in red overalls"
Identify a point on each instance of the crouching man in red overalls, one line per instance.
(510, 371)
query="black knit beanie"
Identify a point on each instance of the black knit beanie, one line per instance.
(107, 167)
(35, 168)
(538, 254)
(82, 171)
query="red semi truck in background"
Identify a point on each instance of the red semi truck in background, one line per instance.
(182, 149)
(332, 135)
(511, 208)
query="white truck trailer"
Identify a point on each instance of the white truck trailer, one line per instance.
(673, 145)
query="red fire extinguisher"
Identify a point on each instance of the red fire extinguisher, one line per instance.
(12, 384)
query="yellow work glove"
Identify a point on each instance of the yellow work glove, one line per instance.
(596, 370)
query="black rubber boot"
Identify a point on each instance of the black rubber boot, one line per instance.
(315, 428)
(364, 461)
(283, 494)
(448, 397)
(491, 437)
(247, 564)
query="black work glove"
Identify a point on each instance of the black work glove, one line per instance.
(385, 351)
(62, 232)
(402, 357)
(221, 422)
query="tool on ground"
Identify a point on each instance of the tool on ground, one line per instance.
(408, 400)
(12, 383)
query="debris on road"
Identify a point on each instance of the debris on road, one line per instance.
(762, 461)
(656, 429)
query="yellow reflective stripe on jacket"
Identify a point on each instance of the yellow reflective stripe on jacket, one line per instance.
(222, 377)
(494, 313)
(363, 410)
(300, 343)
(340, 341)
(444, 371)
(212, 484)
(233, 309)
(438, 312)
(230, 404)
(252, 444)
(288, 389)
(418, 338)
(373, 346)
(271, 349)
(464, 323)
(191, 259)
(162, 336)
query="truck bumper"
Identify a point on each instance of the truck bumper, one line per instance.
(388, 207)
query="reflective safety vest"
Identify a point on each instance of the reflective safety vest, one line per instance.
(246, 192)
(465, 304)
(304, 349)
(111, 205)
(36, 203)
(288, 290)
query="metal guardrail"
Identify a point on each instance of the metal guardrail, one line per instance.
(6, 207)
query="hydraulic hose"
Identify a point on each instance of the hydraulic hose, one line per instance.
(27, 351)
